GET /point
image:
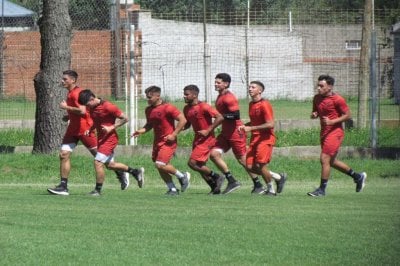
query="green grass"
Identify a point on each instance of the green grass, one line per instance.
(387, 137)
(144, 227)
(283, 109)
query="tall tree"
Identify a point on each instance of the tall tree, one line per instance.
(363, 87)
(55, 32)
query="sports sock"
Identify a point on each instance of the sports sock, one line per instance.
(133, 171)
(179, 174)
(270, 187)
(229, 177)
(98, 187)
(353, 174)
(256, 182)
(324, 183)
(64, 182)
(211, 183)
(275, 176)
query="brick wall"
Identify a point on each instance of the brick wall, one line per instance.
(91, 58)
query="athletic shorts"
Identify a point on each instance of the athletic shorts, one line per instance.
(237, 141)
(260, 151)
(106, 146)
(104, 158)
(330, 144)
(70, 142)
(163, 152)
(201, 151)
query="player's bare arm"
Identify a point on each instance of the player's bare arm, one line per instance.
(217, 121)
(180, 125)
(142, 130)
(344, 117)
(81, 110)
(121, 120)
(248, 128)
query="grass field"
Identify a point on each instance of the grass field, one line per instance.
(283, 109)
(145, 227)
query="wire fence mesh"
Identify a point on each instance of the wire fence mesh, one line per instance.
(117, 49)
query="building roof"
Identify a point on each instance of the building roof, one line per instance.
(14, 10)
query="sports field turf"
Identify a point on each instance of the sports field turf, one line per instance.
(145, 227)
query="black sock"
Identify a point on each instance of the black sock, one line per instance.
(214, 176)
(133, 171)
(229, 177)
(324, 183)
(98, 187)
(256, 182)
(353, 174)
(64, 182)
(119, 173)
(211, 183)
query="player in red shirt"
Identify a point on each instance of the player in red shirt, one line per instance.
(106, 119)
(79, 122)
(203, 119)
(230, 137)
(332, 111)
(161, 117)
(262, 140)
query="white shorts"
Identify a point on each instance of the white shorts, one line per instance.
(104, 158)
(68, 147)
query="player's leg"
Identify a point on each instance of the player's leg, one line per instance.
(222, 145)
(67, 146)
(197, 162)
(137, 173)
(358, 178)
(163, 156)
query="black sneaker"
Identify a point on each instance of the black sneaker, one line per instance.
(123, 178)
(258, 190)
(218, 184)
(184, 181)
(231, 187)
(317, 193)
(95, 193)
(172, 192)
(269, 193)
(59, 190)
(360, 183)
(140, 177)
(281, 182)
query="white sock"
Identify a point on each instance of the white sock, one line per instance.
(179, 174)
(270, 188)
(275, 176)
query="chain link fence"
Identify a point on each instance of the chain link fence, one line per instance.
(119, 50)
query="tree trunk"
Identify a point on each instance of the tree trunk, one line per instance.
(363, 87)
(55, 32)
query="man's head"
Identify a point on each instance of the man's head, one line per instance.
(69, 79)
(256, 88)
(86, 97)
(190, 93)
(222, 81)
(153, 95)
(325, 85)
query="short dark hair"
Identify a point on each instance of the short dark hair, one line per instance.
(192, 88)
(225, 77)
(84, 96)
(329, 80)
(71, 73)
(259, 83)
(152, 89)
